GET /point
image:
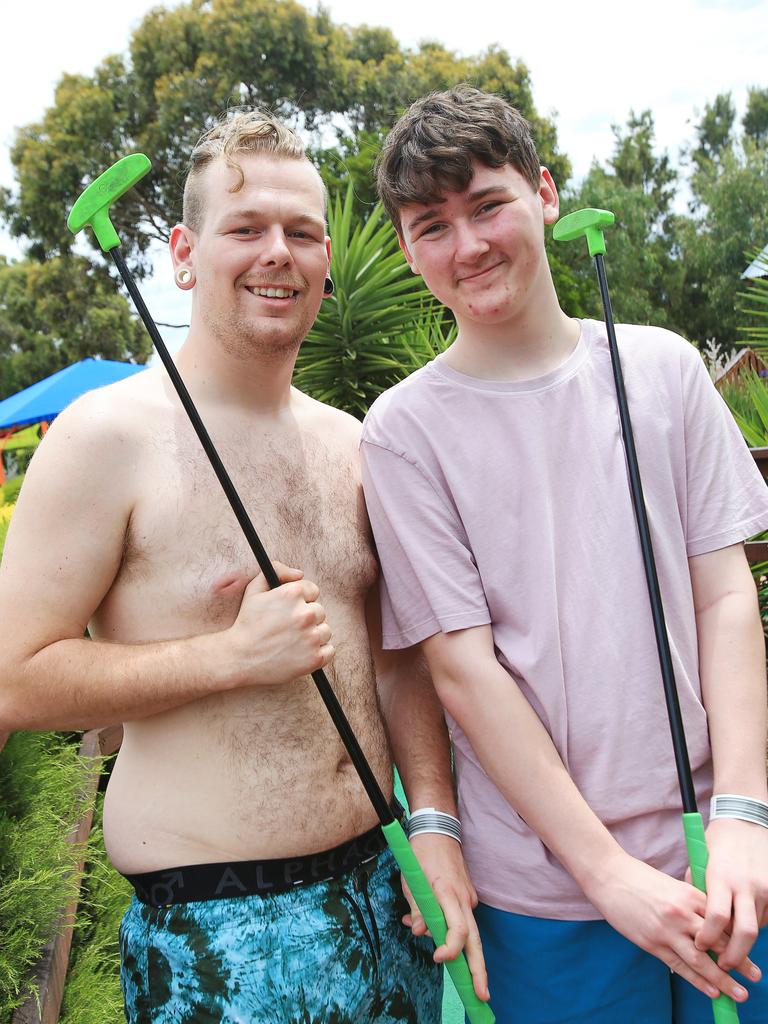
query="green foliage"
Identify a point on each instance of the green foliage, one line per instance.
(715, 131)
(9, 491)
(748, 402)
(55, 313)
(638, 187)
(381, 322)
(729, 220)
(188, 63)
(5, 519)
(753, 303)
(92, 993)
(40, 800)
(755, 120)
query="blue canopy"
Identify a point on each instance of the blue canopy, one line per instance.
(46, 399)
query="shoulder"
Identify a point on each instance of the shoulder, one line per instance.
(324, 420)
(397, 412)
(116, 414)
(656, 345)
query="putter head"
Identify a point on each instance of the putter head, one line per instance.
(584, 222)
(92, 206)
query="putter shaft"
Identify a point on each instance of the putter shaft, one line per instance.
(679, 744)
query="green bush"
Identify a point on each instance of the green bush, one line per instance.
(92, 994)
(41, 798)
(9, 492)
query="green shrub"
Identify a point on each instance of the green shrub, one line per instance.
(92, 994)
(5, 518)
(41, 798)
(9, 492)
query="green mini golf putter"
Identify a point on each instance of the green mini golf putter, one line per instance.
(590, 223)
(92, 206)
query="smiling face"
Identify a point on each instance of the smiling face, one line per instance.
(481, 251)
(260, 255)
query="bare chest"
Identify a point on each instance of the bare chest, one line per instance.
(303, 496)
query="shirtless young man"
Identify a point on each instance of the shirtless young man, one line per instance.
(229, 758)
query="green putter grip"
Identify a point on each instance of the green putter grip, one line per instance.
(92, 206)
(723, 1007)
(589, 223)
(477, 1011)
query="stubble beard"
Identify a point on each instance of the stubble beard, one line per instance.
(244, 339)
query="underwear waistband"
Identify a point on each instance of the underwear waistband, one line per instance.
(225, 879)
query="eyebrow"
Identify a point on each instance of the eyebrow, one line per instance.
(255, 214)
(479, 193)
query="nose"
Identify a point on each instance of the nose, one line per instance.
(274, 251)
(469, 244)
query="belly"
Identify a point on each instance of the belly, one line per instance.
(252, 774)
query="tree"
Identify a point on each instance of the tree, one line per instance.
(638, 186)
(342, 87)
(380, 324)
(729, 219)
(714, 131)
(55, 313)
(755, 120)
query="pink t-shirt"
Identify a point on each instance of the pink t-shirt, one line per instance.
(508, 503)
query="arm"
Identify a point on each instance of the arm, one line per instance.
(733, 683)
(421, 750)
(660, 914)
(62, 554)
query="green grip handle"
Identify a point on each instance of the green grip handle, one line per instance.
(589, 223)
(92, 205)
(477, 1011)
(723, 1007)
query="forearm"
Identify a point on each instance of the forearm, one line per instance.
(518, 754)
(417, 732)
(733, 683)
(80, 683)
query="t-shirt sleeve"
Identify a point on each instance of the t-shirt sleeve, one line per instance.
(727, 499)
(430, 583)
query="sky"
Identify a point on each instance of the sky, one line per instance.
(590, 63)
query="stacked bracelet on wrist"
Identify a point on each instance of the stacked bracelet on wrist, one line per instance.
(745, 808)
(427, 819)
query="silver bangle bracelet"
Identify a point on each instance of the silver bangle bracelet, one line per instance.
(429, 820)
(745, 808)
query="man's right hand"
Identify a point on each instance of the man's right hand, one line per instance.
(663, 916)
(279, 635)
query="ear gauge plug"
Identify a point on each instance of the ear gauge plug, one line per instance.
(184, 275)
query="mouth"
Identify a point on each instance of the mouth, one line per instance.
(272, 291)
(480, 276)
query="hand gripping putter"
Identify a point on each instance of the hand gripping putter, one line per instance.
(92, 207)
(591, 223)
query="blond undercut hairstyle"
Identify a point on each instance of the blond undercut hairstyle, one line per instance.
(253, 131)
(430, 149)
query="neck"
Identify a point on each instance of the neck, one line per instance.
(244, 382)
(530, 345)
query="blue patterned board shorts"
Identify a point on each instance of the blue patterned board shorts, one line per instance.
(334, 952)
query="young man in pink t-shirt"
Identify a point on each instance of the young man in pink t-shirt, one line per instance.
(496, 485)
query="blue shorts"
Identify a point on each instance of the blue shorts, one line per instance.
(570, 972)
(333, 952)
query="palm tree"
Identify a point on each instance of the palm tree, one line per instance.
(381, 322)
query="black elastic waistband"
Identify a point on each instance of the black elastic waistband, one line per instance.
(256, 877)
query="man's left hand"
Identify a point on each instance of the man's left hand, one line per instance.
(443, 864)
